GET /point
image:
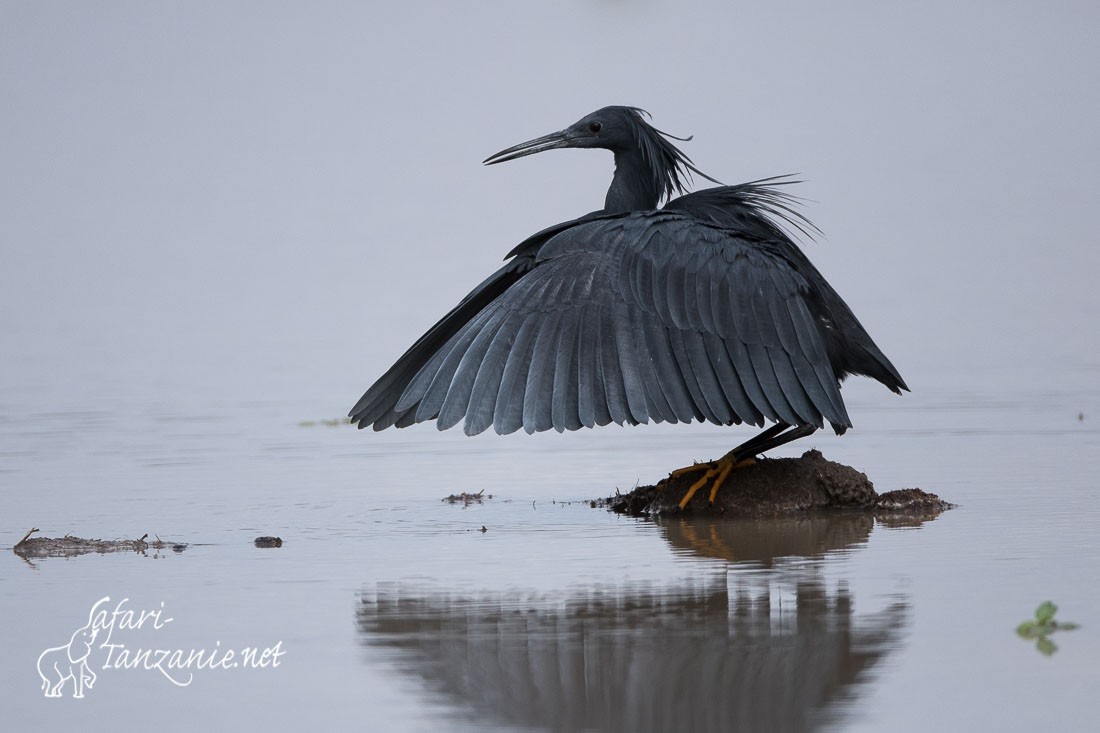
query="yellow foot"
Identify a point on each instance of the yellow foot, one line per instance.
(716, 470)
(691, 469)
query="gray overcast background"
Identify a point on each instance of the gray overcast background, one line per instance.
(271, 200)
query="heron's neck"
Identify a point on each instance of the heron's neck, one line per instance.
(634, 187)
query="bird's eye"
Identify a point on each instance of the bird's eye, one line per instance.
(595, 126)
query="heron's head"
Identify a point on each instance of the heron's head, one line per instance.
(611, 128)
(624, 130)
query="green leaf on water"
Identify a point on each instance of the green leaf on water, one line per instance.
(1042, 626)
(1028, 629)
(1045, 612)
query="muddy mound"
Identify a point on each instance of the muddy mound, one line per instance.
(777, 487)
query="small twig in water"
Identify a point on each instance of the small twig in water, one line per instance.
(28, 534)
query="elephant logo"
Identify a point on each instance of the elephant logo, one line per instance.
(69, 662)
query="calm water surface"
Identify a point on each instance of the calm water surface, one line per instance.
(218, 224)
(389, 609)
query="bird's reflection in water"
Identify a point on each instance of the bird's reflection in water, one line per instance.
(768, 645)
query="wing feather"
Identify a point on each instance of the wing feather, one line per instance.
(718, 408)
(564, 410)
(481, 411)
(440, 379)
(769, 383)
(687, 375)
(743, 407)
(644, 358)
(457, 402)
(638, 402)
(539, 392)
(811, 345)
(508, 411)
(791, 386)
(593, 408)
(611, 376)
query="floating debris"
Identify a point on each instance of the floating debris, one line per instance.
(71, 546)
(266, 541)
(467, 499)
(330, 423)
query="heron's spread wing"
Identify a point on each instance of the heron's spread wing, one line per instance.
(653, 316)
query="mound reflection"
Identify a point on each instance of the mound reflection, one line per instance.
(765, 541)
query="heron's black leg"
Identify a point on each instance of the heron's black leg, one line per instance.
(743, 455)
(773, 437)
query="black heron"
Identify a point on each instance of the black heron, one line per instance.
(703, 309)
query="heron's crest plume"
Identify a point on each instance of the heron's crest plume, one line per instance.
(671, 167)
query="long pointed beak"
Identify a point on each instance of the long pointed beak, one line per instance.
(547, 142)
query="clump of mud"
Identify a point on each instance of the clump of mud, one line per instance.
(780, 486)
(71, 546)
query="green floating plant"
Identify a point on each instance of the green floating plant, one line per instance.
(1042, 626)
